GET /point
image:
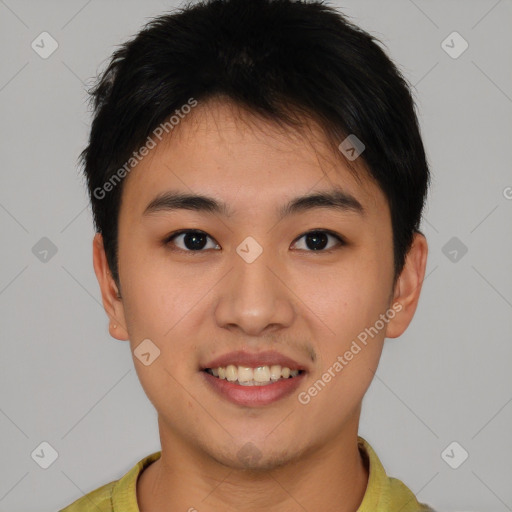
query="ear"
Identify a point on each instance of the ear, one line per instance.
(408, 287)
(112, 302)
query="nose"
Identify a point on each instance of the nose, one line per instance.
(255, 298)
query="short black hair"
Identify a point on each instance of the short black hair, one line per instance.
(283, 60)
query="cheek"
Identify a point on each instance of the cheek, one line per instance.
(349, 297)
(162, 303)
(159, 308)
(155, 294)
(350, 302)
(350, 350)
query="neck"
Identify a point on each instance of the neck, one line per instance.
(331, 477)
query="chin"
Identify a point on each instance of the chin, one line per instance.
(250, 457)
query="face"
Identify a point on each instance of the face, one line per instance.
(265, 279)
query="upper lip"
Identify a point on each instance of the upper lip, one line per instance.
(243, 358)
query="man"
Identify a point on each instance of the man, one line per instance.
(257, 178)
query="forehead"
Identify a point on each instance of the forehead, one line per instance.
(224, 151)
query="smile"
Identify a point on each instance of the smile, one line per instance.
(258, 376)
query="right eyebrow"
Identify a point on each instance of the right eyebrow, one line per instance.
(174, 200)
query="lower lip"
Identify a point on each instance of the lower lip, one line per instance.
(253, 396)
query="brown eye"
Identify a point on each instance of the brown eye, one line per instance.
(191, 240)
(318, 240)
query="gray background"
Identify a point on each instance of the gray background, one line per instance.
(63, 380)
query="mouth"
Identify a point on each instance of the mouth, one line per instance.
(253, 379)
(258, 376)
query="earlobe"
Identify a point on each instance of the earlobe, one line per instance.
(408, 286)
(109, 292)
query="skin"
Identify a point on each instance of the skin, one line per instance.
(309, 305)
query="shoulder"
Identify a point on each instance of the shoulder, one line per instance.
(385, 493)
(99, 500)
(401, 496)
(116, 496)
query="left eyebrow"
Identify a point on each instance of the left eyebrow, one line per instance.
(336, 199)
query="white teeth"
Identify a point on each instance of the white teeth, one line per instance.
(262, 374)
(245, 374)
(275, 372)
(231, 373)
(259, 376)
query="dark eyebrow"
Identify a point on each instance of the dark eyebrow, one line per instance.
(172, 200)
(334, 199)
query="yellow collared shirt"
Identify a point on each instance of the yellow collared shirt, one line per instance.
(383, 493)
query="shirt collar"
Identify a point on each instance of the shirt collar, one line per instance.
(377, 479)
(124, 493)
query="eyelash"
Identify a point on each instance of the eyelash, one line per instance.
(341, 242)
